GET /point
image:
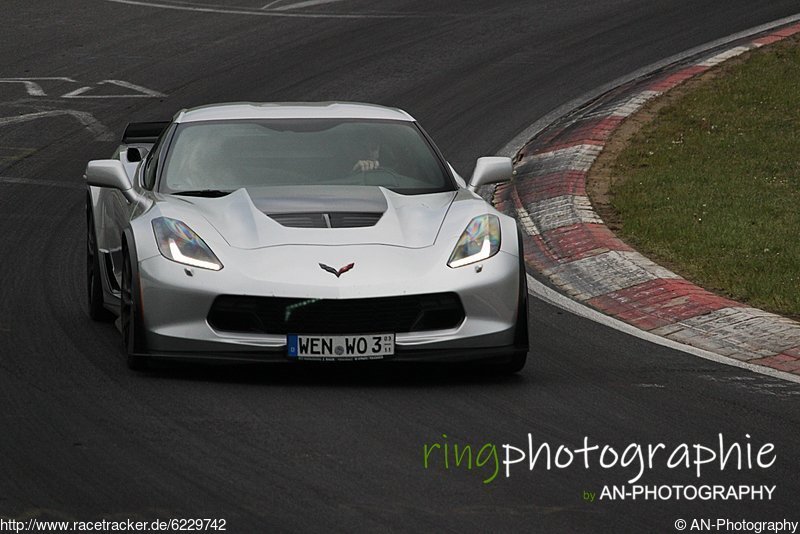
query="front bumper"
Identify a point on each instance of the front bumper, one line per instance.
(176, 300)
(491, 355)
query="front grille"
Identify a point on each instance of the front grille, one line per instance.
(326, 220)
(274, 315)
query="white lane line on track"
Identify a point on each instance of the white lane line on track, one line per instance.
(141, 92)
(32, 88)
(551, 296)
(307, 3)
(100, 132)
(266, 13)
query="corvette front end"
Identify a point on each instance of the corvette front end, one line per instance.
(259, 232)
(233, 311)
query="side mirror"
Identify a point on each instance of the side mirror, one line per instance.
(110, 173)
(490, 170)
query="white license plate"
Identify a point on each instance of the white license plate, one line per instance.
(364, 347)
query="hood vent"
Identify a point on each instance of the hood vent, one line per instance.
(326, 220)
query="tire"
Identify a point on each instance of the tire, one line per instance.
(519, 357)
(94, 282)
(515, 365)
(130, 314)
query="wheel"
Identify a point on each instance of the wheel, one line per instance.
(94, 283)
(129, 314)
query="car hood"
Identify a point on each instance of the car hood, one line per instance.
(248, 218)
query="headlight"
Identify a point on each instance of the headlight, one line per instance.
(480, 240)
(177, 242)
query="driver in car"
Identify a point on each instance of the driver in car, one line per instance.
(371, 160)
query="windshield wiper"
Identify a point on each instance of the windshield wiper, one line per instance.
(208, 193)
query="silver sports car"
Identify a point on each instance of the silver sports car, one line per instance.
(312, 231)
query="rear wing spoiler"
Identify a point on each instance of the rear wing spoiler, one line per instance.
(143, 132)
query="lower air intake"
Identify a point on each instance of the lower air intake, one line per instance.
(274, 315)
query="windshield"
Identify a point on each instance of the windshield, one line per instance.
(227, 155)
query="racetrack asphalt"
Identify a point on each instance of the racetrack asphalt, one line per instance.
(340, 449)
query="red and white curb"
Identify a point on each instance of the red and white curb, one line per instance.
(569, 244)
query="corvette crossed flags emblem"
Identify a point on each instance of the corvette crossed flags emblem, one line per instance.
(333, 271)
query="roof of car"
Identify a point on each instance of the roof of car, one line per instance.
(291, 110)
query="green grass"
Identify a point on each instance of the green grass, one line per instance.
(712, 186)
